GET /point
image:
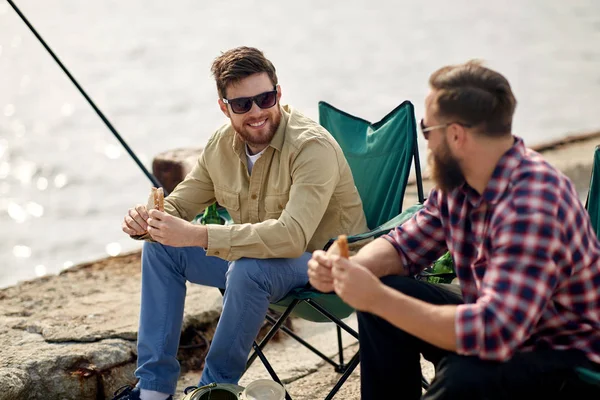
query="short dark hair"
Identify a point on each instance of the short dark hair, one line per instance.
(473, 94)
(239, 63)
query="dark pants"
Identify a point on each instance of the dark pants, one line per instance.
(390, 362)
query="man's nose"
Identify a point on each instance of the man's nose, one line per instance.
(255, 109)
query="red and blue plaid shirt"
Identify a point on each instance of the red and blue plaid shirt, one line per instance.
(525, 254)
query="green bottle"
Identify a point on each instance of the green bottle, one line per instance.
(211, 216)
(442, 270)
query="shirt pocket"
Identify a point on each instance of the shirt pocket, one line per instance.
(231, 202)
(274, 205)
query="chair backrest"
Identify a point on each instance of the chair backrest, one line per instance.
(380, 156)
(592, 203)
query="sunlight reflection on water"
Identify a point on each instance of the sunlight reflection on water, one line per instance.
(40, 270)
(16, 212)
(113, 249)
(9, 110)
(21, 251)
(41, 183)
(34, 209)
(60, 180)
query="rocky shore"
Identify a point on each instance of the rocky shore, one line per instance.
(72, 336)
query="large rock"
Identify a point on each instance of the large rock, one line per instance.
(170, 167)
(31, 368)
(72, 336)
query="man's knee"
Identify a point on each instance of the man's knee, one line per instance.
(150, 247)
(158, 257)
(247, 272)
(151, 252)
(460, 377)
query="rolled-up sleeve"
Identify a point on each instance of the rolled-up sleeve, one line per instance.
(420, 240)
(315, 173)
(193, 194)
(518, 283)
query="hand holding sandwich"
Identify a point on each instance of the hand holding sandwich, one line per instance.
(176, 232)
(355, 284)
(334, 271)
(135, 222)
(321, 263)
(162, 227)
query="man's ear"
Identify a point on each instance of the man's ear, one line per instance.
(224, 108)
(278, 93)
(457, 138)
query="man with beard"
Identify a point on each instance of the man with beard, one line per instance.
(288, 188)
(526, 314)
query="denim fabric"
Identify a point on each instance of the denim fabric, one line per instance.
(250, 285)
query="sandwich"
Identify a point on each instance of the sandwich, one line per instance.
(340, 247)
(156, 200)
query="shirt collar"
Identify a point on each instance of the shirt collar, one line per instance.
(500, 180)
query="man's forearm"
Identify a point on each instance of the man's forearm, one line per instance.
(432, 323)
(381, 258)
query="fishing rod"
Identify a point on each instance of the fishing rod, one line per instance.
(89, 100)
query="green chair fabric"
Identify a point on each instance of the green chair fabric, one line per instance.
(379, 154)
(593, 198)
(330, 301)
(387, 225)
(589, 376)
(380, 157)
(592, 206)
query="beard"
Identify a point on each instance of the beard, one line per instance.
(445, 170)
(265, 134)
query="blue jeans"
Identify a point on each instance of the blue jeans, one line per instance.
(250, 285)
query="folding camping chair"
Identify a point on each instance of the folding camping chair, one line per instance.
(380, 157)
(592, 205)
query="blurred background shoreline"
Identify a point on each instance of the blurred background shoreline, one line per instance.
(65, 182)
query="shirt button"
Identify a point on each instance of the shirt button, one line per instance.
(253, 197)
(217, 253)
(281, 206)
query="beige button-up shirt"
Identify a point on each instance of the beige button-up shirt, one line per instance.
(301, 192)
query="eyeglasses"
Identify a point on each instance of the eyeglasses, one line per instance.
(242, 105)
(426, 129)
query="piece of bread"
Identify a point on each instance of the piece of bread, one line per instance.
(159, 199)
(156, 200)
(340, 247)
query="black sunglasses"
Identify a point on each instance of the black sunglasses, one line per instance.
(426, 129)
(242, 105)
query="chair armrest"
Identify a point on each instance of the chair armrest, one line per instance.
(589, 376)
(383, 228)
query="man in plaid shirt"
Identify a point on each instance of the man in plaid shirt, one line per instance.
(527, 311)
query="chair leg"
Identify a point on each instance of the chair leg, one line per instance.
(350, 368)
(277, 325)
(270, 370)
(341, 366)
(272, 332)
(305, 343)
(333, 318)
